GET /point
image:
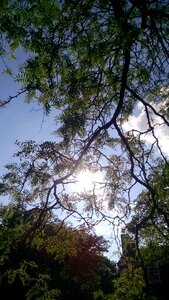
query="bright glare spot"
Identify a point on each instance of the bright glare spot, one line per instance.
(87, 181)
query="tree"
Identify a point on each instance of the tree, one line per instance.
(96, 64)
(130, 285)
(149, 223)
(108, 272)
(56, 257)
(149, 228)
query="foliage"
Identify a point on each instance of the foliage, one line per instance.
(87, 61)
(130, 285)
(57, 256)
(150, 220)
(102, 67)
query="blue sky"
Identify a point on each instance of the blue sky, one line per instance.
(22, 121)
(19, 120)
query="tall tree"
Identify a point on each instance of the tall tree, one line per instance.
(58, 262)
(99, 65)
(149, 224)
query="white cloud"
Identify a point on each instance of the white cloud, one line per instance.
(139, 122)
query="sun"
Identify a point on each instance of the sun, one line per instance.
(88, 180)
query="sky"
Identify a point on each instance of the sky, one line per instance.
(139, 122)
(22, 121)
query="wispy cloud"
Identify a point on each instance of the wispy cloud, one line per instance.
(139, 122)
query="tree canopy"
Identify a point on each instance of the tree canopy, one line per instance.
(59, 262)
(102, 66)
